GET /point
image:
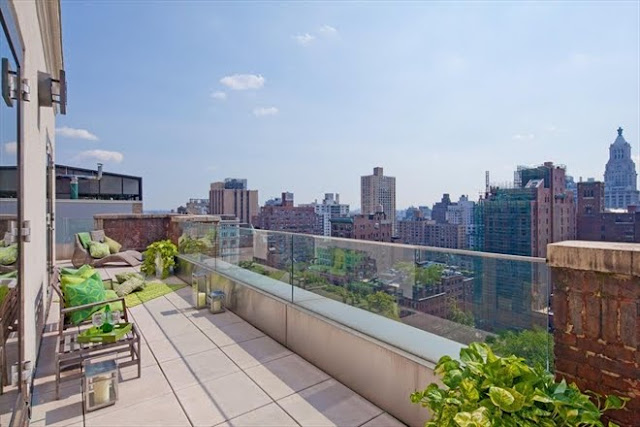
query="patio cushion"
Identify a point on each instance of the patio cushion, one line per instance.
(98, 250)
(89, 291)
(123, 277)
(114, 247)
(4, 291)
(75, 276)
(85, 239)
(128, 286)
(97, 236)
(9, 254)
(111, 294)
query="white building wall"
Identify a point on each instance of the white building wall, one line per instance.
(38, 29)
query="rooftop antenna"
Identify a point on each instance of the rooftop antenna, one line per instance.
(486, 181)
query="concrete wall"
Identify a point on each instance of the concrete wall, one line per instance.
(383, 374)
(39, 27)
(596, 305)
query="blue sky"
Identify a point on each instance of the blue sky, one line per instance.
(307, 97)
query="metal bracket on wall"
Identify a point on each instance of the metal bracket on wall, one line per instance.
(46, 95)
(25, 231)
(12, 87)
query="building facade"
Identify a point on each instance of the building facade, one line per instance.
(424, 232)
(524, 220)
(439, 211)
(597, 224)
(375, 227)
(378, 190)
(461, 213)
(329, 208)
(232, 197)
(620, 177)
(287, 217)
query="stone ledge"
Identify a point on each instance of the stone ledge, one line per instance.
(603, 257)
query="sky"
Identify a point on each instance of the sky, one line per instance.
(308, 96)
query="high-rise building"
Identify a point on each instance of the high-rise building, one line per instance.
(523, 220)
(287, 217)
(596, 224)
(232, 197)
(620, 177)
(439, 211)
(461, 213)
(329, 208)
(378, 190)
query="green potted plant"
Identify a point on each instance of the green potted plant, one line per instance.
(483, 389)
(159, 258)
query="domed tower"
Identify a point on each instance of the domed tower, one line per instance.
(620, 177)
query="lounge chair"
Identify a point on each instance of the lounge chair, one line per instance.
(70, 354)
(81, 256)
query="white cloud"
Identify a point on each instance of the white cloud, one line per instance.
(265, 111)
(219, 95)
(11, 147)
(304, 39)
(76, 133)
(523, 136)
(101, 155)
(243, 81)
(328, 31)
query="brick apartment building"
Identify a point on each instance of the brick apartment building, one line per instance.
(377, 190)
(525, 219)
(375, 227)
(454, 288)
(426, 232)
(287, 217)
(597, 224)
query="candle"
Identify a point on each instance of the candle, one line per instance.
(202, 299)
(101, 389)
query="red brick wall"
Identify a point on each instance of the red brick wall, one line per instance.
(597, 335)
(134, 231)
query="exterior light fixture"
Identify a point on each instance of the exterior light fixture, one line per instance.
(12, 87)
(52, 91)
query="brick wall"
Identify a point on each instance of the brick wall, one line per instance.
(137, 231)
(134, 231)
(596, 306)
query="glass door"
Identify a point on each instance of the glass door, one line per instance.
(15, 394)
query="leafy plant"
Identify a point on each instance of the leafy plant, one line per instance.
(167, 252)
(489, 390)
(534, 346)
(383, 304)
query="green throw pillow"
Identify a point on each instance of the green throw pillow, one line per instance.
(114, 247)
(124, 289)
(89, 291)
(110, 294)
(76, 276)
(9, 254)
(4, 291)
(123, 277)
(98, 250)
(85, 239)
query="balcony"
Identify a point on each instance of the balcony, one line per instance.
(326, 331)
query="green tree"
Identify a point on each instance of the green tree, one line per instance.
(383, 304)
(535, 346)
(458, 315)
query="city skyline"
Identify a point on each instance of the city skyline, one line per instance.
(308, 97)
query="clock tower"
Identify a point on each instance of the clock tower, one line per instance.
(620, 177)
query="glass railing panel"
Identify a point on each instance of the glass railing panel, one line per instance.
(469, 297)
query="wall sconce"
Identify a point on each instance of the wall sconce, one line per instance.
(47, 96)
(11, 85)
